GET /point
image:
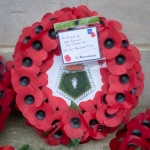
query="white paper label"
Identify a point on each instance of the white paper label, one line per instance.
(79, 45)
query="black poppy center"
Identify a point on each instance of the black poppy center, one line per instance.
(75, 123)
(136, 132)
(102, 22)
(37, 45)
(58, 134)
(24, 81)
(54, 122)
(40, 114)
(57, 109)
(46, 100)
(131, 144)
(1, 78)
(27, 62)
(70, 29)
(2, 94)
(93, 122)
(29, 99)
(120, 140)
(100, 128)
(109, 115)
(51, 19)
(26, 39)
(38, 29)
(120, 98)
(120, 59)
(52, 34)
(125, 43)
(148, 139)
(76, 22)
(133, 91)
(104, 99)
(109, 43)
(124, 79)
(146, 123)
(106, 127)
(0, 109)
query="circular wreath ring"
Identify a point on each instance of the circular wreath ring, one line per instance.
(49, 115)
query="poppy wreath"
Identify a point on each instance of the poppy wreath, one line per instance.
(135, 134)
(6, 91)
(51, 116)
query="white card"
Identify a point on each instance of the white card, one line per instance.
(79, 45)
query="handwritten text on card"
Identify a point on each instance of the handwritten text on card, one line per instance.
(79, 45)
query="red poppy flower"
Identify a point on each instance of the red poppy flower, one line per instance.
(49, 99)
(137, 91)
(57, 137)
(9, 65)
(127, 115)
(55, 121)
(120, 100)
(25, 60)
(74, 125)
(108, 116)
(113, 24)
(23, 78)
(37, 50)
(82, 11)
(122, 62)
(137, 67)
(135, 101)
(37, 115)
(92, 105)
(139, 78)
(6, 95)
(47, 63)
(123, 82)
(43, 79)
(115, 143)
(95, 130)
(6, 79)
(136, 53)
(79, 13)
(87, 106)
(1, 68)
(105, 88)
(7, 147)
(28, 97)
(132, 142)
(62, 105)
(85, 138)
(27, 34)
(49, 40)
(110, 41)
(134, 134)
(105, 74)
(136, 128)
(125, 41)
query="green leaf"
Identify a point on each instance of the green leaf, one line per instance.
(138, 148)
(25, 147)
(74, 142)
(73, 105)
